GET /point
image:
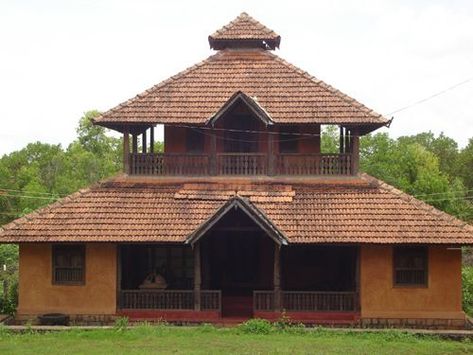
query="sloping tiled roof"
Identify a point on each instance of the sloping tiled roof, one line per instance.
(344, 210)
(285, 92)
(244, 27)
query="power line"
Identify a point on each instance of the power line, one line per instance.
(31, 192)
(431, 96)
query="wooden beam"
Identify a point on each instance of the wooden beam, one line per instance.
(143, 142)
(126, 150)
(277, 278)
(355, 151)
(197, 277)
(151, 139)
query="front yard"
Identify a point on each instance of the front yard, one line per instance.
(147, 339)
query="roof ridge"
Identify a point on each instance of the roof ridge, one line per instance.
(158, 86)
(418, 203)
(45, 209)
(328, 87)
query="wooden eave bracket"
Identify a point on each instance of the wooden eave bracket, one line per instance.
(250, 102)
(251, 211)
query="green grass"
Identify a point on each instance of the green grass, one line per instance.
(209, 340)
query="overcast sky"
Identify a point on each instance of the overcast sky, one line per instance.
(59, 59)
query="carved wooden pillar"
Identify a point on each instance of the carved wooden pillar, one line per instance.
(271, 157)
(355, 151)
(277, 278)
(126, 150)
(143, 142)
(213, 153)
(151, 139)
(342, 140)
(197, 276)
(135, 143)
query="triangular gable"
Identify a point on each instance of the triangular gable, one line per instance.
(249, 102)
(251, 211)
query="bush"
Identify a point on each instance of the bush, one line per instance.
(121, 324)
(256, 326)
(467, 281)
(286, 324)
(9, 302)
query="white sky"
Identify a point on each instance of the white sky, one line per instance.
(59, 59)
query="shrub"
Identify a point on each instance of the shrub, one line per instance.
(9, 302)
(256, 326)
(121, 324)
(467, 281)
(286, 324)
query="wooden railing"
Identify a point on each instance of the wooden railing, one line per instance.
(169, 299)
(319, 301)
(313, 164)
(154, 299)
(243, 164)
(263, 300)
(210, 300)
(169, 164)
(307, 301)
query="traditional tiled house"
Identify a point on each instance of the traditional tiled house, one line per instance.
(242, 215)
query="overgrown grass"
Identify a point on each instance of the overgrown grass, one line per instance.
(467, 280)
(207, 339)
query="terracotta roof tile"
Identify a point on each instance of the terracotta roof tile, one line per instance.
(286, 93)
(357, 210)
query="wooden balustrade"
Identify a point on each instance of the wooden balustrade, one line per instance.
(313, 164)
(319, 301)
(243, 164)
(307, 301)
(263, 300)
(210, 300)
(169, 299)
(169, 164)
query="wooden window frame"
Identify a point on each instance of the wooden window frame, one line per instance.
(395, 255)
(54, 251)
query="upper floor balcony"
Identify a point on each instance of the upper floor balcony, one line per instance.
(240, 164)
(240, 151)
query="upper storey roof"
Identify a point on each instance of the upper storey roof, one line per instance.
(244, 31)
(288, 94)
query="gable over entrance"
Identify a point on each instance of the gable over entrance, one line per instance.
(245, 206)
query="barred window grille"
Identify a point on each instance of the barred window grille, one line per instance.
(410, 266)
(68, 264)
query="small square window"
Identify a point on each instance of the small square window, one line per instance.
(410, 266)
(68, 264)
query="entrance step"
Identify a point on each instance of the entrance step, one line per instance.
(237, 306)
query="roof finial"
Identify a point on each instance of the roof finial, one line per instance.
(244, 32)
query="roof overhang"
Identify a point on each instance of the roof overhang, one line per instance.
(250, 102)
(238, 202)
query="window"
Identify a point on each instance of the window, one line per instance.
(288, 141)
(194, 140)
(68, 264)
(410, 266)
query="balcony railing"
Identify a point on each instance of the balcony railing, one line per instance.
(239, 164)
